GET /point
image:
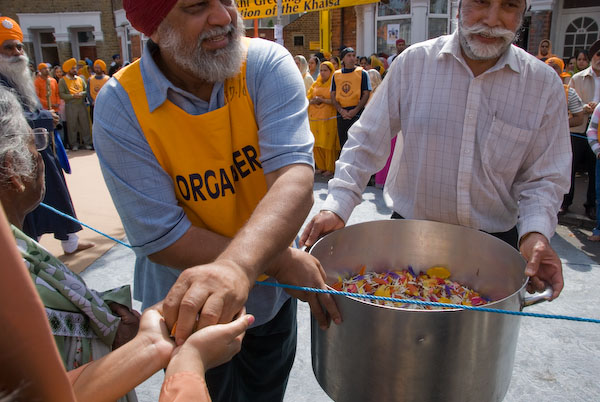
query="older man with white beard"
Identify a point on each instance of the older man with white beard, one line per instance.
(205, 146)
(484, 140)
(15, 74)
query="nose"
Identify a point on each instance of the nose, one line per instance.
(220, 14)
(492, 19)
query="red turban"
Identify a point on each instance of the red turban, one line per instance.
(399, 41)
(146, 16)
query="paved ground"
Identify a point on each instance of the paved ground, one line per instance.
(555, 360)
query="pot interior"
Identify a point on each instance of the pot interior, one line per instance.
(474, 258)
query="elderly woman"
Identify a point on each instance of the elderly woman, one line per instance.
(86, 324)
(323, 124)
(303, 67)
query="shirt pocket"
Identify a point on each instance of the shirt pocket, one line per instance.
(505, 148)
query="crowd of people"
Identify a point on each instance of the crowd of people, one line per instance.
(332, 111)
(208, 145)
(579, 75)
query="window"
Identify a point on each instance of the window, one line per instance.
(581, 33)
(48, 47)
(438, 18)
(388, 31)
(298, 40)
(85, 43)
(393, 7)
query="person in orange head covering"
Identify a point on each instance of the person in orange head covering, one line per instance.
(46, 88)
(545, 50)
(83, 69)
(96, 82)
(73, 90)
(323, 124)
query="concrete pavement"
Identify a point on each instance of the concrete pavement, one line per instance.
(555, 360)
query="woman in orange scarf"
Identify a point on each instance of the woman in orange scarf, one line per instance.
(545, 50)
(323, 123)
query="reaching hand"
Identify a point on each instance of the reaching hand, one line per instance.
(543, 265)
(154, 329)
(210, 346)
(321, 224)
(295, 267)
(128, 327)
(216, 291)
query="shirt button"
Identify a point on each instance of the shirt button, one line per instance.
(467, 151)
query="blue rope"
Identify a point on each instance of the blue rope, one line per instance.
(579, 136)
(433, 304)
(83, 224)
(365, 296)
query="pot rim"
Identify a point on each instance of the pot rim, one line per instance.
(436, 310)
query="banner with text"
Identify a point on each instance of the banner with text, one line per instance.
(251, 9)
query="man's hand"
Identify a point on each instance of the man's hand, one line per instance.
(216, 292)
(129, 325)
(321, 224)
(55, 118)
(543, 265)
(589, 107)
(295, 267)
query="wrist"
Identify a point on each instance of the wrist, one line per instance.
(275, 266)
(185, 359)
(156, 349)
(531, 236)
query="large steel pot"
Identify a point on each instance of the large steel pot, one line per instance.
(389, 354)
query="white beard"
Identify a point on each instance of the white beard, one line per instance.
(207, 65)
(16, 70)
(482, 51)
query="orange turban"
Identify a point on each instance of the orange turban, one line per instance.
(10, 30)
(560, 64)
(42, 65)
(100, 63)
(69, 64)
(557, 61)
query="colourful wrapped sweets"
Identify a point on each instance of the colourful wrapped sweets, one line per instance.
(432, 286)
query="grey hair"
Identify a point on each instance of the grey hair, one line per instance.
(14, 140)
(375, 78)
(303, 64)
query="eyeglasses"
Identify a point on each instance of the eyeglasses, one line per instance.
(41, 137)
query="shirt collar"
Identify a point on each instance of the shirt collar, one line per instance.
(509, 58)
(156, 84)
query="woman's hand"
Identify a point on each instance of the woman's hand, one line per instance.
(153, 330)
(210, 346)
(128, 327)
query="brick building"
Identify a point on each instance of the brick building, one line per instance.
(57, 30)
(301, 33)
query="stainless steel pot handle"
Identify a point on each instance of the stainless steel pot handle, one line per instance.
(531, 299)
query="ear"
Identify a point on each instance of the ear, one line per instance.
(14, 180)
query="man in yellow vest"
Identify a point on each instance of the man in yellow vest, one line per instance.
(350, 89)
(205, 146)
(95, 83)
(72, 89)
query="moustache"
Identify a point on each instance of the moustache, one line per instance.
(483, 30)
(216, 32)
(14, 59)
